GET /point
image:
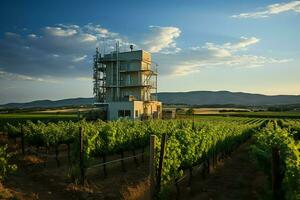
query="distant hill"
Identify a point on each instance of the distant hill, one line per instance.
(49, 103)
(191, 98)
(226, 97)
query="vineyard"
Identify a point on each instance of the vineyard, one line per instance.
(177, 147)
(280, 145)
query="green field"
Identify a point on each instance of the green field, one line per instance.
(190, 141)
(36, 116)
(15, 118)
(266, 114)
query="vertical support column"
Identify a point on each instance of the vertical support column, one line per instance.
(152, 166)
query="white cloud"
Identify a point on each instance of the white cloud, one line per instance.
(60, 31)
(243, 61)
(79, 59)
(162, 39)
(55, 48)
(214, 55)
(215, 50)
(88, 38)
(20, 77)
(242, 44)
(226, 50)
(272, 9)
(64, 50)
(32, 35)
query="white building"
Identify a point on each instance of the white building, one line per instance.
(125, 83)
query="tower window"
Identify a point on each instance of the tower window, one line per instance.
(127, 113)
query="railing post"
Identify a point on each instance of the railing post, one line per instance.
(152, 166)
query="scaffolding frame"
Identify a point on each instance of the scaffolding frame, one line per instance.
(149, 84)
(99, 78)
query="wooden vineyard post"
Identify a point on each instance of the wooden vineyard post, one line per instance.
(161, 161)
(152, 166)
(104, 165)
(213, 158)
(208, 165)
(122, 161)
(69, 153)
(56, 155)
(135, 159)
(190, 176)
(143, 151)
(22, 140)
(81, 161)
(276, 180)
(6, 132)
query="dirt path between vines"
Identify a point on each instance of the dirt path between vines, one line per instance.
(33, 180)
(237, 178)
(37, 182)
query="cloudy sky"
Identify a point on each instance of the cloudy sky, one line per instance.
(46, 47)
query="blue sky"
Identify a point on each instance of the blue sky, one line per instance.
(251, 46)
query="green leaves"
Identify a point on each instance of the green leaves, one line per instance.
(274, 136)
(187, 146)
(5, 167)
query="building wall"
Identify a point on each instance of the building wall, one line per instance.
(169, 113)
(138, 109)
(114, 107)
(132, 82)
(125, 92)
(130, 62)
(153, 109)
(128, 79)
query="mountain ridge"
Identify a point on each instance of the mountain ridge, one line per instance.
(191, 98)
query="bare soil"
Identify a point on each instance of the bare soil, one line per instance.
(236, 178)
(38, 178)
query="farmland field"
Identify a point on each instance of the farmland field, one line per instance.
(202, 143)
(150, 100)
(205, 142)
(15, 118)
(30, 116)
(255, 114)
